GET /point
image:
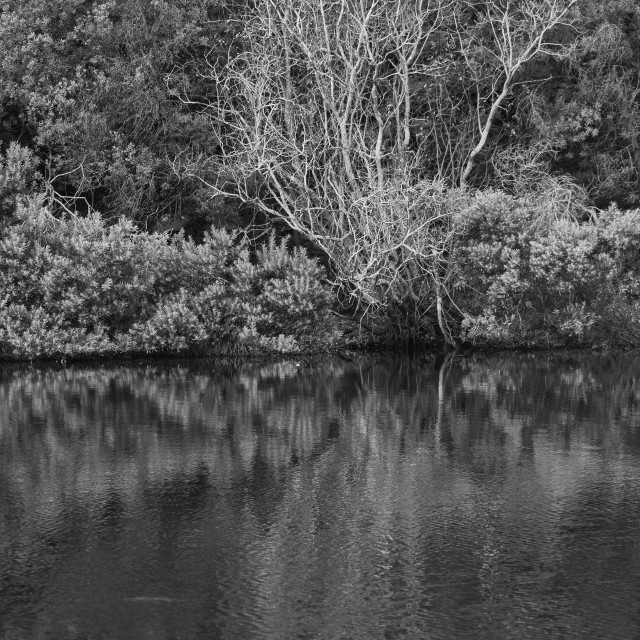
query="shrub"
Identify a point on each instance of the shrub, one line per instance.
(282, 297)
(34, 333)
(525, 278)
(619, 310)
(77, 286)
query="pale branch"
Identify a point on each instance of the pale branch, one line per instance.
(519, 31)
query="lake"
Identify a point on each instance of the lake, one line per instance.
(462, 497)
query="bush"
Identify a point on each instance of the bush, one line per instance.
(283, 298)
(619, 313)
(76, 286)
(525, 278)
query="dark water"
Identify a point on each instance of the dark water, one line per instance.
(471, 498)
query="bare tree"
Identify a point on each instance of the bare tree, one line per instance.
(318, 127)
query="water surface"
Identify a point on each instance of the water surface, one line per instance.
(461, 498)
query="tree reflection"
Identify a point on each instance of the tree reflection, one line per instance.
(462, 481)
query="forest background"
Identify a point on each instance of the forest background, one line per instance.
(235, 176)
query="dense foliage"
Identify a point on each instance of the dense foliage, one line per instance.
(524, 278)
(465, 172)
(75, 286)
(86, 86)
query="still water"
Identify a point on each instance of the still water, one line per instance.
(477, 497)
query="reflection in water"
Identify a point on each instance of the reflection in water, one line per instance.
(470, 498)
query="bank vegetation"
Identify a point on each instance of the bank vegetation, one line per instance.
(214, 176)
